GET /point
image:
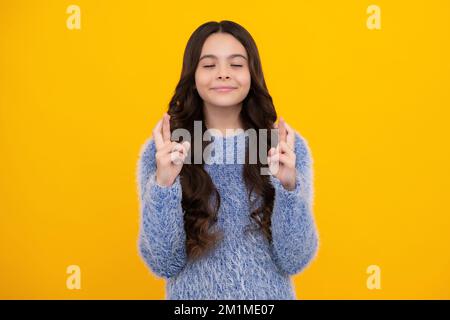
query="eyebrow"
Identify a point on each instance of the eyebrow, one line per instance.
(229, 57)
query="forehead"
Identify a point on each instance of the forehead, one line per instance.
(222, 45)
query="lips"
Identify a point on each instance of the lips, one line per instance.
(223, 88)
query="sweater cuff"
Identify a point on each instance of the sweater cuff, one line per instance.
(289, 196)
(161, 194)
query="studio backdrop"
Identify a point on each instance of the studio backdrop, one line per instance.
(82, 84)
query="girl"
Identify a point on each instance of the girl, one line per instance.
(195, 217)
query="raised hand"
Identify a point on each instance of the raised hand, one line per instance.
(281, 159)
(170, 155)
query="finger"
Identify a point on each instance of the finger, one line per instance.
(286, 160)
(177, 157)
(168, 147)
(187, 146)
(270, 154)
(290, 136)
(157, 135)
(177, 147)
(275, 158)
(273, 165)
(282, 128)
(179, 151)
(286, 149)
(184, 148)
(282, 159)
(166, 127)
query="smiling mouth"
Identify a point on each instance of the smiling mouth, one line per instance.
(223, 89)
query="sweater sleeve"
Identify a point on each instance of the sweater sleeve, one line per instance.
(162, 238)
(294, 233)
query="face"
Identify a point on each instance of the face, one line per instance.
(222, 76)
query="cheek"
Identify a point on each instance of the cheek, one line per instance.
(202, 79)
(244, 79)
(203, 83)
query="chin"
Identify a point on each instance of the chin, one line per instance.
(224, 103)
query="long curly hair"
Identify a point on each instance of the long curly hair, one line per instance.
(258, 112)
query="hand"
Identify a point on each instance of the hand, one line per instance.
(281, 159)
(170, 155)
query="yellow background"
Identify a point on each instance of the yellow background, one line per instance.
(76, 106)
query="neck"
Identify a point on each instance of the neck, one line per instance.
(222, 118)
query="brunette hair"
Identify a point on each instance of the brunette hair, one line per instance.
(258, 112)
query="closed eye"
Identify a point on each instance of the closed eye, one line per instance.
(233, 65)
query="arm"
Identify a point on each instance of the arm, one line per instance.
(162, 238)
(294, 233)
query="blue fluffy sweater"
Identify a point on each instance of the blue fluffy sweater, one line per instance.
(242, 266)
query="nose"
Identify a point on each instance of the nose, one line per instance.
(223, 73)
